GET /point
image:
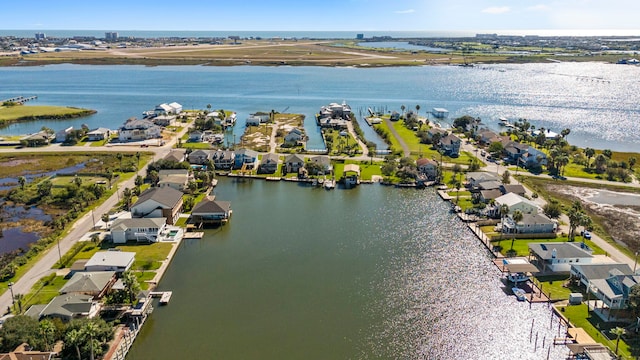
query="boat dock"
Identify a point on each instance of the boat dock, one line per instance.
(193, 235)
(19, 99)
(164, 296)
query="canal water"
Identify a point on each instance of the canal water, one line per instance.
(369, 273)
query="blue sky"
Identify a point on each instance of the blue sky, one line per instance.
(326, 15)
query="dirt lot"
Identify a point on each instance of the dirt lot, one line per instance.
(620, 221)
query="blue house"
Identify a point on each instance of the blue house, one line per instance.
(245, 156)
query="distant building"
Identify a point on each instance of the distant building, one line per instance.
(111, 35)
(359, 36)
(40, 36)
(118, 261)
(135, 130)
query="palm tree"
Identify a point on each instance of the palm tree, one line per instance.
(516, 217)
(119, 157)
(22, 180)
(565, 132)
(402, 107)
(576, 218)
(90, 329)
(138, 160)
(562, 160)
(48, 330)
(74, 338)
(618, 332)
(589, 153)
(504, 211)
(600, 163)
(417, 109)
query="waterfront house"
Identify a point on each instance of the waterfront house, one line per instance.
(269, 163)
(70, 306)
(223, 159)
(94, 283)
(294, 137)
(427, 167)
(216, 116)
(245, 157)
(98, 134)
(158, 203)
(517, 202)
(293, 163)
(614, 290)
(137, 229)
(324, 163)
(559, 256)
(196, 136)
(200, 157)
(164, 120)
(118, 261)
(514, 151)
(174, 178)
(176, 108)
(530, 224)
(61, 135)
(139, 129)
(334, 116)
(40, 138)
(257, 119)
(489, 185)
(450, 145)
(210, 210)
(162, 109)
(586, 273)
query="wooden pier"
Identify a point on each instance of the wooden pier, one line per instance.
(19, 99)
(193, 235)
(164, 296)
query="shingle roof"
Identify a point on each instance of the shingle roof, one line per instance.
(125, 224)
(166, 196)
(601, 271)
(209, 206)
(68, 305)
(564, 250)
(90, 281)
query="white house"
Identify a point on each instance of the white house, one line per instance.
(517, 202)
(175, 108)
(559, 256)
(118, 261)
(98, 134)
(530, 224)
(136, 130)
(140, 230)
(61, 136)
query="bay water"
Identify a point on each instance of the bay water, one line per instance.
(368, 273)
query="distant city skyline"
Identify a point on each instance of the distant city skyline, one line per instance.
(328, 15)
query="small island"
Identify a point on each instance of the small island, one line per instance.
(16, 111)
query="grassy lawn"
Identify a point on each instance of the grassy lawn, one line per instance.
(578, 315)
(409, 137)
(394, 143)
(366, 170)
(144, 253)
(143, 277)
(196, 145)
(521, 246)
(553, 285)
(12, 113)
(43, 291)
(460, 193)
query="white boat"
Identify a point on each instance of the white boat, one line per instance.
(329, 184)
(519, 293)
(518, 277)
(503, 121)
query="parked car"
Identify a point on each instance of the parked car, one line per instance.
(586, 235)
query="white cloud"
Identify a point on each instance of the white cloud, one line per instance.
(539, 7)
(496, 10)
(409, 11)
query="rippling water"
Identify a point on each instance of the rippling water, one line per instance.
(369, 273)
(596, 101)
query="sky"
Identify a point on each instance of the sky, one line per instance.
(326, 15)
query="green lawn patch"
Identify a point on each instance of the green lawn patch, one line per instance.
(34, 112)
(143, 277)
(44, 291)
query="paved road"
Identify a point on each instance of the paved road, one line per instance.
(405, 148)
(83, 225)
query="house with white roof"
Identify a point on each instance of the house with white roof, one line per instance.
(98, 134)
(118, 261)
(174, 178)
(517, 202)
